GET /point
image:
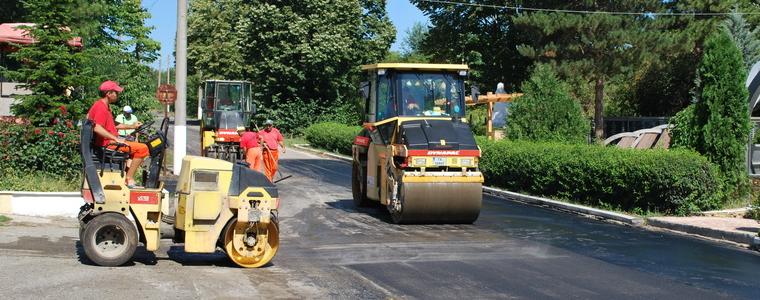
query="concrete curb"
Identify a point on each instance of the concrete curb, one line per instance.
(41, 204)
(635, 221)
(736, 237)
(305, 147)
(512, 196)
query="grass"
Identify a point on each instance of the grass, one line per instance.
(4, 219)
(293, 140)
(39, 182)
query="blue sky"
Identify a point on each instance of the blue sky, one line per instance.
(164, 19)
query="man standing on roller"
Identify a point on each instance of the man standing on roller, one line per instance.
(106, 134)
(272, 139)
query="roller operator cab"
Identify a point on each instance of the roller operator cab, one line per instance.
(217, 205)
(416, 155)
(226, 105)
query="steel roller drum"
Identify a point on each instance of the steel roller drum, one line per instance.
(439, 202)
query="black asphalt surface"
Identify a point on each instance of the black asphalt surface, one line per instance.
(511, 251)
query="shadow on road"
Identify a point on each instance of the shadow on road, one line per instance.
(141, 256)
(375, 210)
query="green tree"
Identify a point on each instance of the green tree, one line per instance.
(302, 56)
(13, 12)
(547, 112)
(744, 38)
(51, 67)
(721, 112)
(482, 37)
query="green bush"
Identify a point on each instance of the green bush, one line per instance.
(332, 136)
(672, 182)
(547, 112)
(476, 117)
(26, 149)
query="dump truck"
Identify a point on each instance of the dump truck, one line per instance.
(227, 104)
(416, 155)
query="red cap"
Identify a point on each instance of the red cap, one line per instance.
(110, 86)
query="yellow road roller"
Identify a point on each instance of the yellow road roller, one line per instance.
(416, 155)
(218, 205)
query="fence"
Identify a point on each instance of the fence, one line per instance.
(613, 126)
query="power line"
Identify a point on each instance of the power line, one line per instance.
(648, 14)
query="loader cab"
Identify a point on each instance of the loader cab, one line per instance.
(227, 104)
(414, 90)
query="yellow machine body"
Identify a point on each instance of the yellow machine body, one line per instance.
(422, 164)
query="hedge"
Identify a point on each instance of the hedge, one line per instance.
(677, 182)
(665, 181)
(332, 136)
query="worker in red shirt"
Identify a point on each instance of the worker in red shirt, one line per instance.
(272, 138)
(249, 142)
(106, 133)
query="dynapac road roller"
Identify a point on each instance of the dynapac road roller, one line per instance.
(218, 204)
(416, 155)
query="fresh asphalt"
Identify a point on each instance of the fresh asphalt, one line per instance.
(330, 249)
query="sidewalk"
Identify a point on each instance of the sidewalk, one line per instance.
(733, 229)
(726, 226)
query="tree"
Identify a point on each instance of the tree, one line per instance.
(745, 39)
(721, 113)
(13, 12)
(596, 47)
(481, 37)
(547, 112)
(50, 67)
(302, 56)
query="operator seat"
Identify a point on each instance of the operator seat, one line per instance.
(102, 157)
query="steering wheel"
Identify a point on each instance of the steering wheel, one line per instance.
(143, 127)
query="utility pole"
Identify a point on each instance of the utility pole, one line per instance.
(180, 79)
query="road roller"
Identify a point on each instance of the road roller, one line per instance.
(217, 204)
(416, 155)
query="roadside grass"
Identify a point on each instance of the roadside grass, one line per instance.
(39, 182)
(4, 219)
(294, 140)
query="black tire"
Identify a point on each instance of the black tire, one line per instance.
(110, 240)
(359, 187)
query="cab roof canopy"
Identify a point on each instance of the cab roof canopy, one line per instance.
(421, 67)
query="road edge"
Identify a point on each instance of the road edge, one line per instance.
(517, 197)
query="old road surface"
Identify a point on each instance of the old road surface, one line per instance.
(329, 249)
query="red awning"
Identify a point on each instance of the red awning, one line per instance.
(10, 33)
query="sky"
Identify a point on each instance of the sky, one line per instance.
(164, 20)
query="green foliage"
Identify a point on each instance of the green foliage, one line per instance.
(477, 116)
(483, 38)
(116, 46)
(4, 219)
(684, 132)
(29, 149)
(547, 112)
(50, 66)
(671, 182)
(745, 38)
(332, 136)
(40, 182)
(721, 112)
(302, 56)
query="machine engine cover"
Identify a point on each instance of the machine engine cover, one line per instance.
(437, 134)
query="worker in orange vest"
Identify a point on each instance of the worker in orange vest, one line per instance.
(273, 140)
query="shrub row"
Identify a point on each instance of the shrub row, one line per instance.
(665, 181)
(28, 149)
(332, 136)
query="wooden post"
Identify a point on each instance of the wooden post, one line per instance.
(489, 117)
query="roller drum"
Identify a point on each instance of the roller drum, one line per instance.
(438, 202)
